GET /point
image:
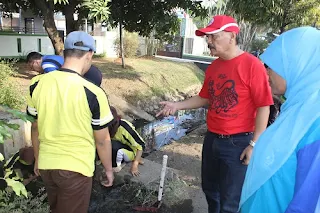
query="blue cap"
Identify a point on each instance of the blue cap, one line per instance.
(80, 40)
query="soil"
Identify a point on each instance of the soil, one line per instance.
(121, 198)
(184, 155)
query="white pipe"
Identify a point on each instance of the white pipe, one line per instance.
(163, 174)
(86, 25)
(1, 19)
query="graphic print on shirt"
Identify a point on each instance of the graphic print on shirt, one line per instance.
(223, 97)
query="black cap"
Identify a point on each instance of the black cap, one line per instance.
(94, 75)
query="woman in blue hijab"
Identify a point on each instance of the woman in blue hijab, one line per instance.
(284, 173)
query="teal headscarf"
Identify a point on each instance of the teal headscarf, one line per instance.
(295, 56)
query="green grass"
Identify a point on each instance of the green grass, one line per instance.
(141, 79)
(153, 77)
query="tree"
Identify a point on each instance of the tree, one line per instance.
(278, 14)
(73, 7)
(68, 11)
(47, 11)
(144, 17)
(99, 10)
(43, 8)
(216, 7)
(259, 45)
(246, 34)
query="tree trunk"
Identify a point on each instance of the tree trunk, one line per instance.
(121, 35)
(46, 8)
(121, 45)
(68, 11)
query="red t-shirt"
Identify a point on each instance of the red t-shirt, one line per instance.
(235, 88)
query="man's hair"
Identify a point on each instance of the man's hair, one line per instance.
(33, 56)
(74, 53)
(115, 123)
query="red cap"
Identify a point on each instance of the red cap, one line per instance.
(218, 24)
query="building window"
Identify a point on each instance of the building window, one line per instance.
(29, 25)
(19, 45)
(39, 44)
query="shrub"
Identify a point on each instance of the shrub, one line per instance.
(130, 44)
(259, 45)
(9, 202)
(10, 93)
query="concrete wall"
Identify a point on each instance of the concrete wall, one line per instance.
(199, 46)
(142, 49)
(108, 44)
(9, 45)
(8, 22)
(20, 138)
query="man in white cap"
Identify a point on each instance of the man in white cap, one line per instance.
(238, 97)
(72, 118)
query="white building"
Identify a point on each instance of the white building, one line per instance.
(23, 32)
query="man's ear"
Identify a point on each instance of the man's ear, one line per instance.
(89, 55)
(234, 37)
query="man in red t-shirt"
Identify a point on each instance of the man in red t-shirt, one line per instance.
(238, 97)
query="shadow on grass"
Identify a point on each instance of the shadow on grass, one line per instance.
(23, 71)
(114, 70)
(28, 75)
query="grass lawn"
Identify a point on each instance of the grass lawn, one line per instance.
(146, 77)
(142, 78)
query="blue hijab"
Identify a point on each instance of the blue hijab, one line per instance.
(294, 56)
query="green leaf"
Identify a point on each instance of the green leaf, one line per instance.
(4, 133)
(97, 9)
(21, 115)
(1, 157)
(17, 187)
(13, 126)
(8, 173)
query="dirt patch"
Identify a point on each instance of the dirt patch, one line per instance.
(184, 155)
(120, 199)
(124, 198)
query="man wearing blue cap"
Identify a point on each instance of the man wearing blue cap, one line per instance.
(72, 118)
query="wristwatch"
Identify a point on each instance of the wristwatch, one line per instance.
(252, 143)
